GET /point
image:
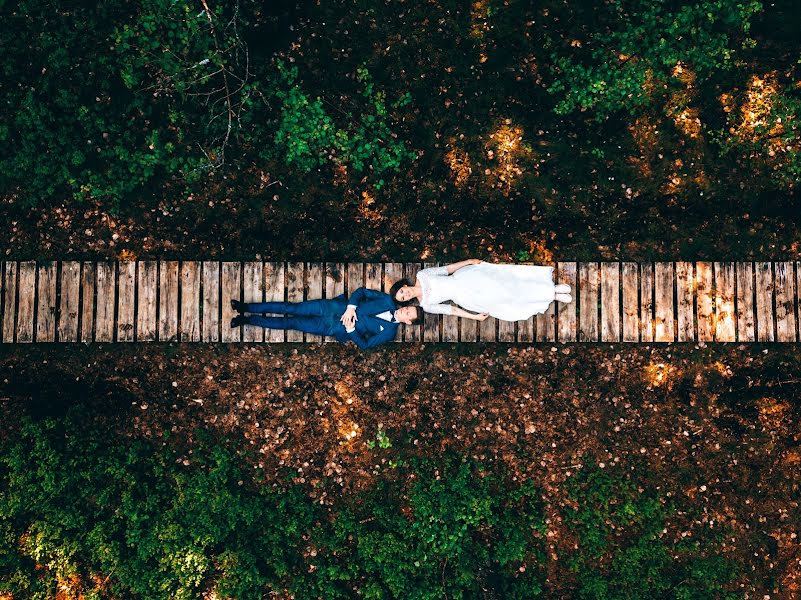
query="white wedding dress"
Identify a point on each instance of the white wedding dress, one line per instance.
(506, 292)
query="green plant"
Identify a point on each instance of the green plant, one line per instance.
(624, 549)
(636, 47)
(308, 136)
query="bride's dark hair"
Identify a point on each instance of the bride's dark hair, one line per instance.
(394, 290)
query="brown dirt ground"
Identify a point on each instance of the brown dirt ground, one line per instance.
(717, 428)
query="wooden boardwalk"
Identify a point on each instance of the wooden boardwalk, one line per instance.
(188, 301)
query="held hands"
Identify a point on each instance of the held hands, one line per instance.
(349, 318)
(482, 316)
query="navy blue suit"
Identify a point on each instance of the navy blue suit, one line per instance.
(321, 317)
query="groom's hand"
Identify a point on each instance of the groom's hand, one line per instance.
(349, 318)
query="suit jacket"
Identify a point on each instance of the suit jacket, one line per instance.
(371, 330)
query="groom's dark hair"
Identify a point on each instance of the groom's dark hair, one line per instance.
(394, 290)
(418, 317)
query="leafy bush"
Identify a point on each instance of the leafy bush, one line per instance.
(104, 99)
(636, 48)
(308, 137)
(624, 550)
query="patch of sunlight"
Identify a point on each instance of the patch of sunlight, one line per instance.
(506, 147)
(366, 210)
(459, 163)
(660, 374)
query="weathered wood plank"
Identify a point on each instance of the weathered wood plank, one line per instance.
(647, 318)
(87, 302)
(70, 303)
(432, 323)
(334, 285)
(314, 290)
(295, 285)
(26, 316)
(412, 333)
(9, 299)
(275, 291)
(764, 302)
(589, 287)
(46, 301)
(230, 280)
(725, 315)
(168, 301)
(253, 284)
(545, 323)
(566, 273)
(746, 324)
(527, 330)
(106, 301)
(664, 330)
(2, 296)
(631, 306)
(450, 327)
(190, 301)
(610, 302)
(685, 294)
(147, 282)
(705, 308)
(211, 301)
(392, 273)
(126, 301)
(784, 287)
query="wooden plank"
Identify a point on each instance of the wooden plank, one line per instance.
(168, 301)
(631, 305)
(26, 302)
(147, 283)
(334, 285)
(210, 329)
(746, 323)
(314, 290)
(253, 284)
(70, 303)
(527, 330)
(190, 301)
(295, 275)
(126, 301)
(88, 301)
(545, 325)
(647, 319)
(431, 323)
(412, 333)
(725, 315)
(275, 291)
(231, 277)
(9, 299)
(588, 278)
(567, 273)
(705, 308)
(764, 302)
(685, 294)
(450, 327)
(784, 286)
(610, 302)
(46, 301)
(106, 300)
(665, 330)
(392, 273)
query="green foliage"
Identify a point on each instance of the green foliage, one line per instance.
(625, 551)
(764, 131)
(108, 98)
(308, 137)
(637, 46)
(451, 530)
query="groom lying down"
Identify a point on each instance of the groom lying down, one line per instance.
(368, 318)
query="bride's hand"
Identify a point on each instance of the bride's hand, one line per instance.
(482, 317)
(475, 261)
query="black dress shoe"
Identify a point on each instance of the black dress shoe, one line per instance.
(237, 305)
(238, 320)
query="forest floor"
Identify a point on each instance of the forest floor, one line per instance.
(716, 429)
